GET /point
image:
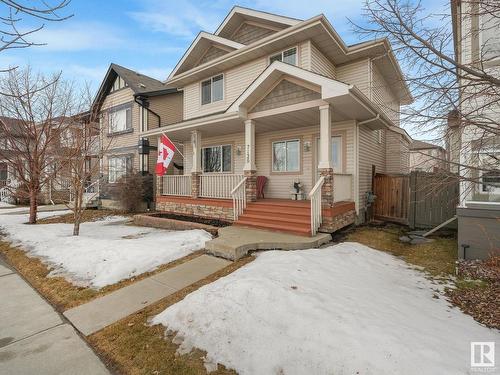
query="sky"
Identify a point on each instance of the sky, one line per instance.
(148, 36)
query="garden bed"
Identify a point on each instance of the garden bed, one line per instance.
(166, 220)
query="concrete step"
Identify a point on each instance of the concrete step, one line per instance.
(301, 230)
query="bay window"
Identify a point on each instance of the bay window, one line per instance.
(288, 56)
(217, 159)
(212, 90)
(286, 156)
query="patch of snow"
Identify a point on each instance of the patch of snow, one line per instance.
(105, 252)
(6, 205)
(345, 309)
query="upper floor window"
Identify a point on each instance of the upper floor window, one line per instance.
(120, 119)
(288, 56)
(118, 84)
(489, 36)
(212, 90)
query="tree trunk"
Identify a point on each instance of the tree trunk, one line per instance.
(77, 210)
(33, 206)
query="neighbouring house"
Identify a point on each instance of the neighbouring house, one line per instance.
(476, 36)
(280, 106)
(129, 103)
(427, 157)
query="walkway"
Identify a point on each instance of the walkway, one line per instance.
(235, 242)
(33, 337)
(101, 312)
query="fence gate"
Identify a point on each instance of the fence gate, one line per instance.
(393, 193)
(433, 199)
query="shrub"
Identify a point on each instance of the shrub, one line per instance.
(135, 192)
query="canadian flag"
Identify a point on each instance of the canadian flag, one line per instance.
(166, 151)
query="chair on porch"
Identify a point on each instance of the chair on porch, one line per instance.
(261, 184)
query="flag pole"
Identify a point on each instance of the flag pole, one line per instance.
(179, 151)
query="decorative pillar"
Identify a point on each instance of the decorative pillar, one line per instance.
(325, 167)
(196, 169)
(249, 169)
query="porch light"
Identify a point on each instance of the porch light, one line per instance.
(238, 150)
(307, 146)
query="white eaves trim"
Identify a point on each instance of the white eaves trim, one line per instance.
(257, 14)
(207, 36)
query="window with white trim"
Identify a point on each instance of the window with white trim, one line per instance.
(288, 56)
(118, 167)
(286, 156)
(490, 182)
(489, 35)
(120, 120)
(212, 90)
(217, 159)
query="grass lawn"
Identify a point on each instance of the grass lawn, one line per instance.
(132, 346)
(88, 215)
(437, 257)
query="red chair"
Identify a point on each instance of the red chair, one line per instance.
(261, 184)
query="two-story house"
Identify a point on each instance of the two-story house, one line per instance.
(427, 157)
(282, 108)
(129, 103)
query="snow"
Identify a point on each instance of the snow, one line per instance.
(345, 309)
(105, 252)
(6, 205)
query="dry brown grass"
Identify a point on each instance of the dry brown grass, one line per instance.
(61, 293)
(131, 346)
(437, 257)
(88, 215)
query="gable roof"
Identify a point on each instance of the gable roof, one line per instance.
(239, 14)
(421, 145)
(137, 82)
(199, 46)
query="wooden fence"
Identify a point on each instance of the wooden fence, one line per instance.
(420, 199)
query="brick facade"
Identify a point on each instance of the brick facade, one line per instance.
(195, 184)
(327, 195)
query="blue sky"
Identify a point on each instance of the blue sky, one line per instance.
(148, 36)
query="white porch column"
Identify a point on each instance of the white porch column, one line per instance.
(196, 145)
(196, 169)
(249, 146)
(325, 137)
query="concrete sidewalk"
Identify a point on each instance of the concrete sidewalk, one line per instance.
(33, 337)
(103, 311)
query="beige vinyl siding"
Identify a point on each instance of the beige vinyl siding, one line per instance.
(248, 34)
(279, 184)
(236, 80)
(397, 157)
(305, 55)
(320, 64)
(370, 153)
(168, 107)
(356, 73)
(121, 144)
(383, 95)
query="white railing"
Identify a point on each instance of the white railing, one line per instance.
(219, 185)
(176, 185)
(342, 187)
(239, 195)
(4, 183)
(7, 190)
(316, 214)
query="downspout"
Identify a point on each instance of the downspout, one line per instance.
(140, 101)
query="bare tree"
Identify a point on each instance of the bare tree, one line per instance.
(453, 78)
(41, 106)
(17, 16)
(83, 148)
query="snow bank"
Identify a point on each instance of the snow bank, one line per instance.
(6, 205)
(345, 309)
(106, 251)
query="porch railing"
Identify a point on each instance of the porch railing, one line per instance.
(219, 186)
(316, 214)
(239, 195)
(176, 185)
(342, 187)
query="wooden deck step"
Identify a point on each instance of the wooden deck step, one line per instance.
(282, 227)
